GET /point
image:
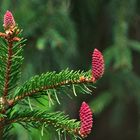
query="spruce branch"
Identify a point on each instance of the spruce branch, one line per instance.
(11, 55)
(10, 60)
(8, 68)
(58, 120)
(11, 69)
(40, 85)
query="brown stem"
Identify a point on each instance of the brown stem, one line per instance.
(6, 85)
(5, 102)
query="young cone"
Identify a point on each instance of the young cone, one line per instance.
(9, 21)
(97, 64)
(86, 120)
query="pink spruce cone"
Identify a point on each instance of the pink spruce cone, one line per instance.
(97, 64)
(86, 120)
(8, 20)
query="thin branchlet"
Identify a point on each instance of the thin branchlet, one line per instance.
(44, 88)
(52, 122)
(8, 68)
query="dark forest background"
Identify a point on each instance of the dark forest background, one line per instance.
(63, 33)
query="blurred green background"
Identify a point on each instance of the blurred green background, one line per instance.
(63, 33)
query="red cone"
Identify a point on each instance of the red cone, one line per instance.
(97, 64)
(86, 120)
(8, 20)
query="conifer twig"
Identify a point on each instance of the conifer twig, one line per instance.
(44, 88)
(5, 92)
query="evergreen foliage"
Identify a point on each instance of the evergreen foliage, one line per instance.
(51, 84)
(67, 40)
